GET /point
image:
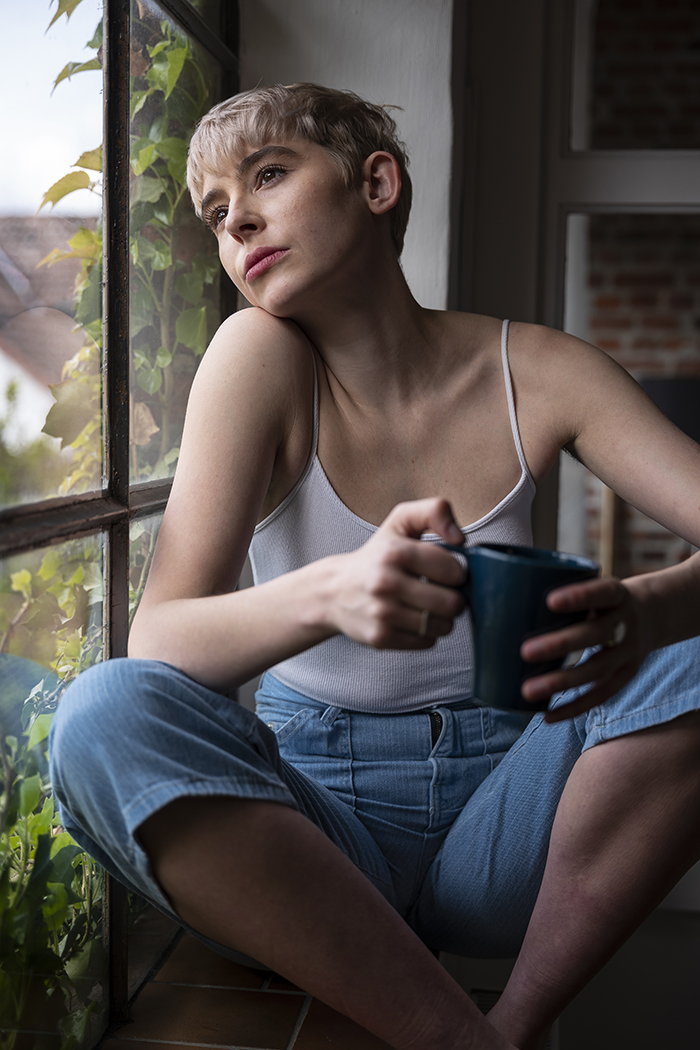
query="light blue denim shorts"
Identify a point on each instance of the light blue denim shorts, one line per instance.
(448, 812)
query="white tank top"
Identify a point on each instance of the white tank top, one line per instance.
(313, 522)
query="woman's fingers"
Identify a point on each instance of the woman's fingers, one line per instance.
(608, 605)
(604, 592)
(613, 625)
(423, 515)
(398, 591)
(600, 629)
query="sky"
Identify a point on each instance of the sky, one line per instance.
(42, 135)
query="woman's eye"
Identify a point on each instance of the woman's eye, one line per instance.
(269, 174)
(216, 216)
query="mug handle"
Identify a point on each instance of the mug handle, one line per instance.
(463, 558)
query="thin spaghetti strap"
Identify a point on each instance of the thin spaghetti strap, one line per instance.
(314, 437)
(511, 400)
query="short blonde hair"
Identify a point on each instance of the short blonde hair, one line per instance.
(347, 126)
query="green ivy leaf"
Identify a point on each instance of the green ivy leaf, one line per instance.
(75, 407)
(149, 379)
(142, 156)
(146, 189)
(162, 256)
(190, 286)
(40, 823)
(50, 564)
(157, 75)
(55, 906)
(191, 329)
(173, 149)
(164, 357)
(90, 305)
(59, 842)
(22, 583)
(176, 60)
(71, 68)
(29, 795)
(140, 359)
(92, 159)
(207, 267)
(96, 41)
(137, 100)
(157, 48)
(39, 730)
(162, 213)
(175, 152)
(65, 7)
(77, 180)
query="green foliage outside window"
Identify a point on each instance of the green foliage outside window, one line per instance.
(51, 951)
(51, 601)
(174, 268)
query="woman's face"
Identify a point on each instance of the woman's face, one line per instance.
(289, 229)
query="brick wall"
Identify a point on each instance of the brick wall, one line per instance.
(646, 80)
(644, 270)
(644, 282)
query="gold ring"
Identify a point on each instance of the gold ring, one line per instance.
(423, 629)
(618, 635)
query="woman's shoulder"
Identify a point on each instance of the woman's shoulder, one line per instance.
(256, 362)
(251, 337)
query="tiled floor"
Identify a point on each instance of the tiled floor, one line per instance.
(200, 999)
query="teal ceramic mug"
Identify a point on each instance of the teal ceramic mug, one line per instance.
(506, 590)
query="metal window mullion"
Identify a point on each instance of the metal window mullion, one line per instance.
(116, 408)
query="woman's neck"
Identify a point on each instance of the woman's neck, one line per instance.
(377, 343)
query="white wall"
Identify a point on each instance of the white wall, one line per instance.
(388, 51)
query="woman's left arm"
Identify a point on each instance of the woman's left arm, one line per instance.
(613, 428)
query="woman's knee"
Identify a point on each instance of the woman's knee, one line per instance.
(100, 711)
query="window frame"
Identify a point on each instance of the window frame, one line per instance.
(110, 510)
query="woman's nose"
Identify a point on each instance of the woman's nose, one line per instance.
(242, 220)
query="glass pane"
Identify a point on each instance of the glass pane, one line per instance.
(209, 11)
(53, 964)
(143, 533)
(175, 270)
(150, 932)
(633, 289)
(645, 75)
(50, 252)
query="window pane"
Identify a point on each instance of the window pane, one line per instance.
(633, 289)
(50, 252)
(53, 965)
(209, 11)
(175, 270)
(143, 533)
(646, 75)
(150, 932)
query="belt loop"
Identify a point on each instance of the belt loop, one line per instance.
(330, 714)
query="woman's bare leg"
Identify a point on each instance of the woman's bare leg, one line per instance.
(261, 878)
(627, 828)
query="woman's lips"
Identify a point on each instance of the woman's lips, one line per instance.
(260, 260)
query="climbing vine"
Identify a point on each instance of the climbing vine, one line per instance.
(51, 613)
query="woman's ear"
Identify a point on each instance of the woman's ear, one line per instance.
(381, 182)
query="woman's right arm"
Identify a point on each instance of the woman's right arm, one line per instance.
(246, 439)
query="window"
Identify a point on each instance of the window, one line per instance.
(109, 291)
(620, 229)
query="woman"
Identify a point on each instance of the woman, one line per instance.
(334, 429)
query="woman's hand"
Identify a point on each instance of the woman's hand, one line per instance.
(616, 621)
(397, 592)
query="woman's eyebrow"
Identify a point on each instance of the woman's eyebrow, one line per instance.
(247, 163)
(261, 154)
